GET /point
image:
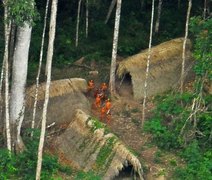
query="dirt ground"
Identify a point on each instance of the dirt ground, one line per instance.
(126, 115)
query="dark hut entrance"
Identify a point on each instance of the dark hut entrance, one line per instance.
(125, 86)
(127, 173)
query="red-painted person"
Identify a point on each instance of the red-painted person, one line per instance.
(91, 85)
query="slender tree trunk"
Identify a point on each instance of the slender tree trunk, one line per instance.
(78, 20)
(179, 3)
(157, 24)
(112, 5)
(87, 13)
(205, 9)
(6, 57)
(142, 4)
(48, 81)
(1, 85)
(148, 63)
(2, 77)
(39, 68)
(184, 46)
(114, 50)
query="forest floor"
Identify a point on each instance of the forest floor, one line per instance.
(126, 122)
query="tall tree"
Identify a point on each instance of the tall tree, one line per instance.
(19, 72)
(114, 50)
(1, 79)
(184, 46)
(78, 20)
(179, 3)
(112, 5)
(6, 57)
(39, 68)
(148, 63)
(48, 81)
(205, 9)
(157, 24)
(86, 24)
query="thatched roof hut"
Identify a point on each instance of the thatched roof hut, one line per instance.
(87, 144)
(165, 67)
(66, 95)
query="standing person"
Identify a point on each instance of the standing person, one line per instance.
(91, 86)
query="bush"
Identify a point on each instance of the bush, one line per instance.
(23, 165)
(194, 146)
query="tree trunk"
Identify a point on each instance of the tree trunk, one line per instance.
(19, 75)
(11, 48)
(184, 46)
(39, 68)
(157, 24)
(114, 50)
(142, 2)
(2, 77)
(205, 9)
(78, 20)
(48, 81)
(86, 26)
(148, 63)
(6, 57)
(179, 3)
(112, 5)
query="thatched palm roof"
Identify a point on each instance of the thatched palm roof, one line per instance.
(66, 96)
(165, 67)
(86, 144)
(159, 54)
(57, 88)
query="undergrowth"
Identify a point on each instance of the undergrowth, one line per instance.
(194, 143)
(23, 165)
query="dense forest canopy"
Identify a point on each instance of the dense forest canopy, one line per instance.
(179, 123)
(134, 28)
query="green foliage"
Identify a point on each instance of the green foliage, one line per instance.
(105, 152)
(157, 156)
(22, 11)
(201, 30)
(199, 165)
(7, 166)
(90, 175)
(23, 165)
(169, 117)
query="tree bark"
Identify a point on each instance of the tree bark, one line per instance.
(78, 20)
(19, 75)
(157, 24)
(205, 9)
(11, 47)
(148, 63)
(2, 78)
(184, 46)
(86, 25)
(179, 3)
(48, 81)
(6, 57)
(114, 50)
(112, 5)
(142, 2)
(39, 68)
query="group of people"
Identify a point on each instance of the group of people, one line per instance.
(102, 102)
